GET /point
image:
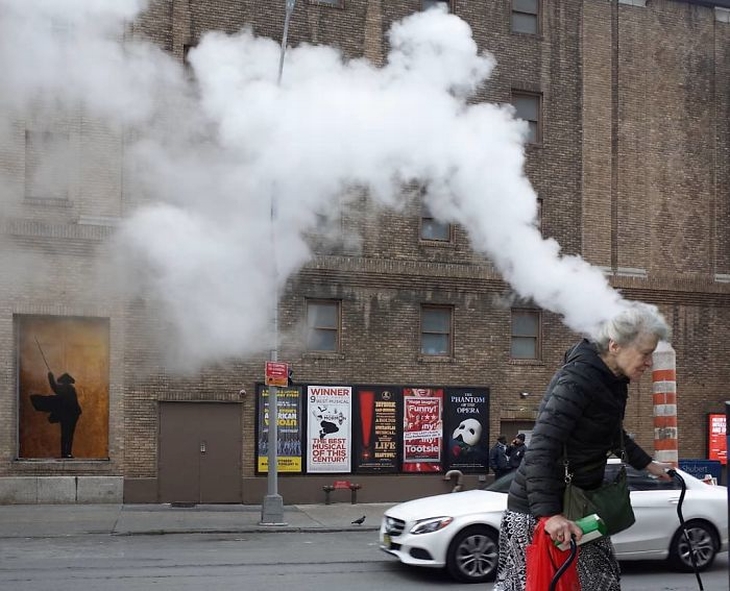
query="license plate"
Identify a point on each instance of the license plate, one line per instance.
(386, 540)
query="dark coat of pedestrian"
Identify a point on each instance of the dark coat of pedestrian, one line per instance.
(516, 451)
(498, 461)
(580, 414)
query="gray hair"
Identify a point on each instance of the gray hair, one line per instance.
(637, 318)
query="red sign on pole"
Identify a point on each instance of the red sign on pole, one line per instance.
(277, 374)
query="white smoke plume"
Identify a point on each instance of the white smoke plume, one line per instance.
(212, 158)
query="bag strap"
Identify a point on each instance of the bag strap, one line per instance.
(566, 463)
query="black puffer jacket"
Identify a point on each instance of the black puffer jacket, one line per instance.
(582, 408)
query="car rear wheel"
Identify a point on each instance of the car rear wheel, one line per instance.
(704, 542)
(473, 555)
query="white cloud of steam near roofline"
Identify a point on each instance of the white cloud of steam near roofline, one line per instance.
(211, 165)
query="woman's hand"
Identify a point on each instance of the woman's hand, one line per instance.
(659, 470)
(560, 529)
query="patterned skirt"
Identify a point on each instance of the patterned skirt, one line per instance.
(597, 567)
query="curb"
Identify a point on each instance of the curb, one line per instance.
(252, 529)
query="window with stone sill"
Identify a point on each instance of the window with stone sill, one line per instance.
(48, 162)
(323, 326)
(433, 230)
(436, 331)
(526, 16)
(525, 334)
(444, 4)
(528, 107)
(332, 3)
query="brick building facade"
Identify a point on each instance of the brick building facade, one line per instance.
(630, 163)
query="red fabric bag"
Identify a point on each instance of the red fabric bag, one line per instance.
(544, 559)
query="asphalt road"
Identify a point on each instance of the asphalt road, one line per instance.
(252, 561)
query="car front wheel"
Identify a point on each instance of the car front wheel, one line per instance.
(473, 555)
(703, 541)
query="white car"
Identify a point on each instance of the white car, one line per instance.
(459, 531)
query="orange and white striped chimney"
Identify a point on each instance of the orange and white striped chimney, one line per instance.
(664, 381)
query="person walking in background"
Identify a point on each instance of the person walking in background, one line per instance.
(498, 461)
(516, 451)
(580, 415)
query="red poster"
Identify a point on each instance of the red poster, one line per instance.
(422, 429)
(376, 438)
(717, 431)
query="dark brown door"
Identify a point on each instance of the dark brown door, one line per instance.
(200, 452)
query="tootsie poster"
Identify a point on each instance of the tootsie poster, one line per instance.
(329, 428)
(422, 429)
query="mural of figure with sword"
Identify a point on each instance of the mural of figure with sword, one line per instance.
(63, 406)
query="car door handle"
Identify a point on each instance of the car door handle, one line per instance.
(674, 501)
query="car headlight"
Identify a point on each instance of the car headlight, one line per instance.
(426, 526)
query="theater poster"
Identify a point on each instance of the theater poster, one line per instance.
(329, 428)
(466, 429)
(288, 430)
(422, 429)
(717, 437)
(63, 387)
(376, 429)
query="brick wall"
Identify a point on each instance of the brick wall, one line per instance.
(632, 170)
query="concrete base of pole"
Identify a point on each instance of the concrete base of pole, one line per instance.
(272, 511)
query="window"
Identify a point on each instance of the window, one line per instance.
(639, 480)
(436, 330)
(187, 48)
(442, 3)
(323, 325)
(433, 229)
(47, 164)
(335, 3)
(525, 334)
(527, 108)
(525, 16)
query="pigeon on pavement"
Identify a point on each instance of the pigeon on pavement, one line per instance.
(359, 521)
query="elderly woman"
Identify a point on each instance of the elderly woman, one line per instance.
(587, 422)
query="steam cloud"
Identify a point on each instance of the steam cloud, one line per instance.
(210, 157)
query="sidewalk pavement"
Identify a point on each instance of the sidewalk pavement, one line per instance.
(43, 521)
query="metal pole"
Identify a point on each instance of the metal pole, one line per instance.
(289, 11)
(272, 509)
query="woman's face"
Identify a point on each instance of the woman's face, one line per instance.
(634, 359)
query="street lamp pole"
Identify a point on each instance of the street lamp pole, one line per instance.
(272, 508)
(289, 11)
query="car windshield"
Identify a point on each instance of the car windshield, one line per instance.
(637, 480)
(502, 483)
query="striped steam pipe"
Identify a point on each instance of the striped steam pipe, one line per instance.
(664, 382)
